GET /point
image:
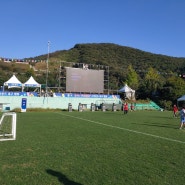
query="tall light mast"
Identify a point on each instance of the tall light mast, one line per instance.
(47, 69)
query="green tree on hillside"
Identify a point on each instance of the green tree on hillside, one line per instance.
(151, 83)
(29, 73)
(174, 88)
(132, 78)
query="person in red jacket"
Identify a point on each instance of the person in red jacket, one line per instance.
(125, 108)
(175, 111)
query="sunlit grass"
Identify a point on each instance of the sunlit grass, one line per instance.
(94, 148)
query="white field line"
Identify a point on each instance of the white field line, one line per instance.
(129, 130)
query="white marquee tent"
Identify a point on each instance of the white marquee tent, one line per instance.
(13, 82)
(129, 93)
(32, 83)
(182, 98)
(181, 101)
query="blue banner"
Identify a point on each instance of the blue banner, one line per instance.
(65, 95)
(74, 95)
(6, 93)
(23, 105)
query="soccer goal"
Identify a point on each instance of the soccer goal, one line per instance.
(8, 126)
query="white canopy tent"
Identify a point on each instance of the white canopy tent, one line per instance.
(129, 93)
(181, 101)
(182, 98)
(13, 82)
(32, 83)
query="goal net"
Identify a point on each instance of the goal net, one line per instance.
(8, 126)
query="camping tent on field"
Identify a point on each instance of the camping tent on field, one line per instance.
(32, 83)
(129, 93)
(13, 82)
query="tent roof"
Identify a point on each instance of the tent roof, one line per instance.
(31, 83)
(13, 82)
(126, 88)
(182, 98)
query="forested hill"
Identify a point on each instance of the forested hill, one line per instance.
(151, 75)
(119, 57)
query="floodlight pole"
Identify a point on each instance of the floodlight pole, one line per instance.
(47, 69)
(108, 81)
(59, 76)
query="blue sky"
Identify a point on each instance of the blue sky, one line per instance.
(156, 26)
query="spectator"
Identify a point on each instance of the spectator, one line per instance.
(125, 108)
(182, 117)
(175, 111)
(132, 107)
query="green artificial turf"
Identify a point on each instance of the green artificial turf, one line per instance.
(94, 148)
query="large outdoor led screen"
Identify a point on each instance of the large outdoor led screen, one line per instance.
(81, 80)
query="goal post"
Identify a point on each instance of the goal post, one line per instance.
(8, 126)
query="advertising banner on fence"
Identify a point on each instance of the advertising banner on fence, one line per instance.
(23, 105)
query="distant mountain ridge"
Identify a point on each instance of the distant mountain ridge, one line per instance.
(117, 56)
(168, 85)
(109, 53)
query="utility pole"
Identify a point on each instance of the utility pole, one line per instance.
(47, 61)
(59, 76)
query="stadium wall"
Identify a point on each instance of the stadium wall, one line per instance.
(13, 102)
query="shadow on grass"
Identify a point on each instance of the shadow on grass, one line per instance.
(166, 117)
(62, 178)
(158, 125)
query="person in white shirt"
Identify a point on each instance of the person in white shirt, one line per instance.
(182, 117)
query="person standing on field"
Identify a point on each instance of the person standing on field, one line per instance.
(125, 108)
(182, 117)
(175, 111)
(132, 107)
